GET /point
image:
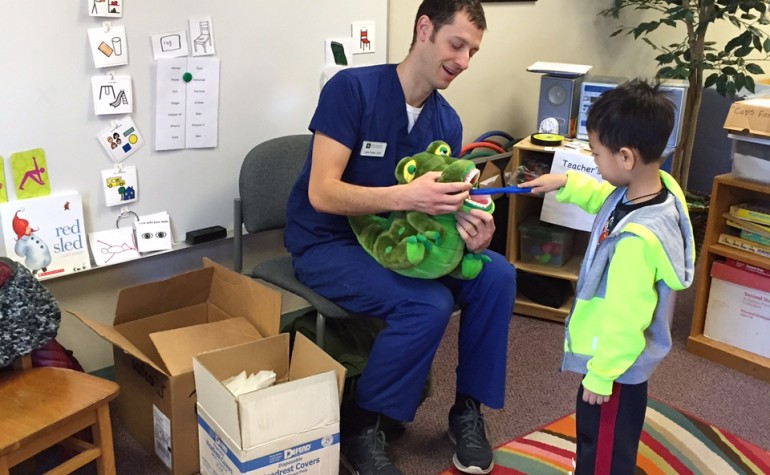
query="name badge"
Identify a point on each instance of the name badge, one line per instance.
(373, 149)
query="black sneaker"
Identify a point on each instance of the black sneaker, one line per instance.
(473, 453)
(365, 454)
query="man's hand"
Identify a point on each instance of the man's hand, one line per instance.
(426, 195)
(593, 398)
(476, 228)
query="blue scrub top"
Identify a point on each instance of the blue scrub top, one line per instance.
(360, 106)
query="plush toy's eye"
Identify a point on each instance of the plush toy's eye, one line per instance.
(443, 149)
(409, 170)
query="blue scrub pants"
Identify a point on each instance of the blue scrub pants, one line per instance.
(417, 312)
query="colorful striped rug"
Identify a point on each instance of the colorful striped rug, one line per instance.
(672, 443)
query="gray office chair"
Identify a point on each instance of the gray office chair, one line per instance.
(267, 175)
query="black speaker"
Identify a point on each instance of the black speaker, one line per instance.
(557, 109)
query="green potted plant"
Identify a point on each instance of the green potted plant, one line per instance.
(727, 65)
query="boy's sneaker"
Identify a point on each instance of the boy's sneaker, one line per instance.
(365, 454)
(467, 431)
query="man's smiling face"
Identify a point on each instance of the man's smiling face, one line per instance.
(448, 51)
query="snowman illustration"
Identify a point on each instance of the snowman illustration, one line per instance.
(34, 250)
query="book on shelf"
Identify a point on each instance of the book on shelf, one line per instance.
(745, 224)
(747, 267)
(744, 244)
(757, 211)
(46, 234)
(755, 237)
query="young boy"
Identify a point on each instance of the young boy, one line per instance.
(640, 251)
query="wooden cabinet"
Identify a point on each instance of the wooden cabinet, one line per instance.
(727, 190)
(522, 206)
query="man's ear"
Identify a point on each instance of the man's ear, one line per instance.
(629, 158)
(423, 27)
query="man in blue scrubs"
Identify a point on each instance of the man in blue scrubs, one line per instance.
(366, 120)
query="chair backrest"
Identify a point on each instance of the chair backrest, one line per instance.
(267, 175)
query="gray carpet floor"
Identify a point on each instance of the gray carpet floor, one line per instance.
(538, 393)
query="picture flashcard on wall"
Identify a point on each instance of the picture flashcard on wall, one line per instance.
(113, 246)
(120, 139)
(46, 234)
(202, 36)
(120, 185)
(153, 232)
(112, 94)
(339, 51)
(170, 45)
(3, 192)
(105, 8)
(30, 174)
(108, 45)
(363, 34)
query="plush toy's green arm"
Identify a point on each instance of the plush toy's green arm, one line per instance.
(425, 225)
(470, 266)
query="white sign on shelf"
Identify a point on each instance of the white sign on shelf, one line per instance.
(567, 214)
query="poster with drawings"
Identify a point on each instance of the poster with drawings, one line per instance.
(112, 94)
(120, 185)
(108, 45)
(105, 8)
(120, 139)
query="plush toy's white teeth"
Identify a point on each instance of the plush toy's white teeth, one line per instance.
(473, 176)
(483, 200)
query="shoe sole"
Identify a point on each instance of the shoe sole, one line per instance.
(472, 469)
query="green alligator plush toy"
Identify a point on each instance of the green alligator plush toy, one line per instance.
(418, 245)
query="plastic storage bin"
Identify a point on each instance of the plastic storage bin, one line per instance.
(545, 243)
(751, 157)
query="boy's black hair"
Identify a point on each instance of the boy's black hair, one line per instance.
(442, 12)
(637, 115)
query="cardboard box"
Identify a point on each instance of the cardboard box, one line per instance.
(289, 427)
(157, 329)
(749, 122)
(750, 116)
(738, 311)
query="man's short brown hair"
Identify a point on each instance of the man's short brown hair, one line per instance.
(442, 12)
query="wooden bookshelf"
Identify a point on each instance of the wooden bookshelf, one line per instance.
(521, 206)
(727, 190)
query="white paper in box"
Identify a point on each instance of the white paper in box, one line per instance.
(308, 398)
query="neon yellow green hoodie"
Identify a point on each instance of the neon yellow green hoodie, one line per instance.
(619, 326)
